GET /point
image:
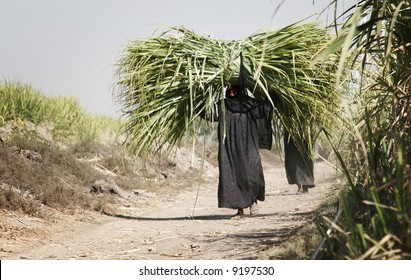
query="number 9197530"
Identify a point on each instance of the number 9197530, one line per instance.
(253, 270)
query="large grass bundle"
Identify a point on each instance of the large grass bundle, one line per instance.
(165, 82)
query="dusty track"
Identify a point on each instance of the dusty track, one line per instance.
(187, 225)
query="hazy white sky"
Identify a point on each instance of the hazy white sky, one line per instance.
(69, 47)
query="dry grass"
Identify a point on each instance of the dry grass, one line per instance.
(57, 180)
(37, 175)
(60, 179)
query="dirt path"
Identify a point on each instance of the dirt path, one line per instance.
(171, 228)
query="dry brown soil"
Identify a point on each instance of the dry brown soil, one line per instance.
(182, 225)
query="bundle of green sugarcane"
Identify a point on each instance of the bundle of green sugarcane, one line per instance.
(165, 82)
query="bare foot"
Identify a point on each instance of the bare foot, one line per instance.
(239, 215)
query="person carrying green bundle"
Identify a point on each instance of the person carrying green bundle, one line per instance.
(241, 178)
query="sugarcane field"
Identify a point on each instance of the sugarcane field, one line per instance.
(292, 143)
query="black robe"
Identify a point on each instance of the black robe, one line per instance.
(241, 179)
(299, 167)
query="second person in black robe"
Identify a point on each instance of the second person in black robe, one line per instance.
(299, 166)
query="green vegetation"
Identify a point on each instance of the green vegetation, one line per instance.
(376, 138)
(20, 103)
(166, 82)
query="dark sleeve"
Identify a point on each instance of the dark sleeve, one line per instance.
(262, 111)
(265, 132)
